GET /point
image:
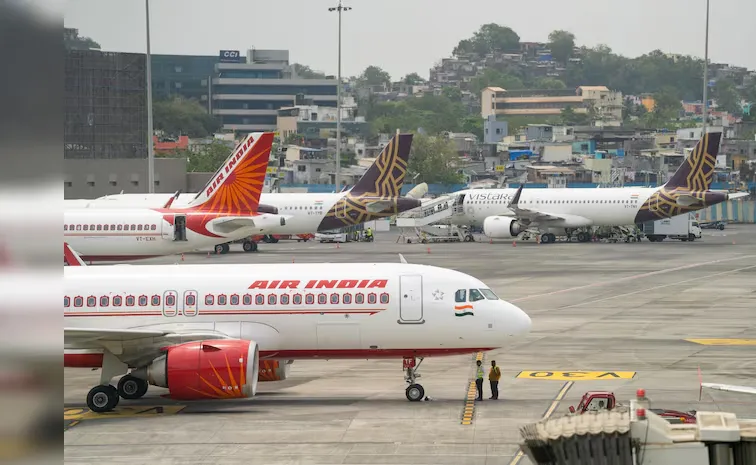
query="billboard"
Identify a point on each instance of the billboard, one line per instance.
(230, 56)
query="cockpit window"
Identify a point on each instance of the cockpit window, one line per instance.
(489, 294)
(460, 295)
(475, 295)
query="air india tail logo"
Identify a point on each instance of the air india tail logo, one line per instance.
(463, 310)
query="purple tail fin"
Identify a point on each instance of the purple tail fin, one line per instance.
(697, 171)
(386, 177)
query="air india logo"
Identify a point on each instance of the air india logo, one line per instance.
(463, 310)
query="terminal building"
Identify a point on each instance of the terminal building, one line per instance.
(605, 104)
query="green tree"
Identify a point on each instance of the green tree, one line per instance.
(453, 93)
(474, 125)
(413, 79)
(570, 117)
(374, 76)
(549, 83)
(73, 41)
(305, 72)
(727, 97)
(180, 116)
(490, 38)
(561, 43)
(491, 77)
(434, 158)
(434, 114)
(667, 104)
(208, 158)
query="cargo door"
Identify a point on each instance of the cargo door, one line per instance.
(338, 336)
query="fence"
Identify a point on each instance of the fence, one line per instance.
(734, 211)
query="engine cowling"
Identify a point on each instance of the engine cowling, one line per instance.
(213, 369)
(274, 370)
(501, 227)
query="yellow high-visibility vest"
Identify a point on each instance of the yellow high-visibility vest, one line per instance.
(481, 373)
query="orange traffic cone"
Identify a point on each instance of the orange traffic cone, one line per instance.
(182, 257)
(514, 243)
(428, 249)
(490, 240)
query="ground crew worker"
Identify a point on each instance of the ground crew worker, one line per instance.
(494, 375)
(369, 233)
(479, 379)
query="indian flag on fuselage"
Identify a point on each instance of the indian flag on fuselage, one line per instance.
(463, 310)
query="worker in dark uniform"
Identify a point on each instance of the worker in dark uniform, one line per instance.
(479, 374)
(494, 375)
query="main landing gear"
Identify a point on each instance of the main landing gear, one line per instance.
(548, 238)
(414, 392)
(222, 248)
(104, 398)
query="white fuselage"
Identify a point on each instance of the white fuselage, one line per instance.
(296, 310)
(115, 234)
(580, 207)
(306, 210)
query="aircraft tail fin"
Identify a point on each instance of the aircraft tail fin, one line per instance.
(70, 257)
(236, 187)
(385, 177)
(697, 171)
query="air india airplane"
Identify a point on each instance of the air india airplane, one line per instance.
(505, 213)
(213, 331)
(376, 195)
(227, 209)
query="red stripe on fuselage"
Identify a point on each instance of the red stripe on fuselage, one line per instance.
(94, 360)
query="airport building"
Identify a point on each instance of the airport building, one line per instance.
(247, 93)
(606, 105)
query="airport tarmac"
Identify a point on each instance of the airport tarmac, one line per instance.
(605, 317)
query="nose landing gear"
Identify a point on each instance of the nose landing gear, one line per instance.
(415, 392)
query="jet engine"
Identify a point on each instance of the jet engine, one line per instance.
(501, 227)
(274, 370)
(213, 369)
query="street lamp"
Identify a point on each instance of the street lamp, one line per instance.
(338, 8)
(706, 74)
(150, 145)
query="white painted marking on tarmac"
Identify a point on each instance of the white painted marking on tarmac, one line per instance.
(629, 278)
(697, 278)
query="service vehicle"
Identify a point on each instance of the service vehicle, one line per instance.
(713, 225)
(682, 227)
(605, 400)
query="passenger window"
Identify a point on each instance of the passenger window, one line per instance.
(310, 299)
(130, 301)
(322, 299)
(235, 299)
(191, 300)
(91, 301)
(272, 299)
(489, 294)
(359, 298)
(460, 295)
(285, 299)
(66, 301)
(222, 299)
(155, 300)
(475, 295)
(334, 298)
(259, 299)
(347, 298)
(297, 299)
(142, 300)
(209, 299)
(117, 301)
(104, 301)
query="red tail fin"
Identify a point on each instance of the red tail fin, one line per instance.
(70, 257)
(238, 183)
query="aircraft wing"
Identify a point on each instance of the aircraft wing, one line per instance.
(730, 388)
(528, 215)
(99, 338)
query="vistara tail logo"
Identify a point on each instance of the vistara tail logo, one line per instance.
(463, 310)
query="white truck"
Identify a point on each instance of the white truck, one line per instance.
(683, 227)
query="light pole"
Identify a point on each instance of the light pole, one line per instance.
(705, 110)
(339, 9)
(150, 145)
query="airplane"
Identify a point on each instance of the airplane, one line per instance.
(204, 331)
(506, 213)
(730, 388)
(227, 209)
(376, 195)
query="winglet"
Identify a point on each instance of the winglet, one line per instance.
(70, 257)
(402, 259)
(516, 199)
(170, 201)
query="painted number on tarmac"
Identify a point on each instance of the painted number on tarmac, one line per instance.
(576, 375)
(84, 413)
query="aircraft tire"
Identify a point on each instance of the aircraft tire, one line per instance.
(131, 387)
(225, 248)
(249, 246)
(103, 398)
(415, 393)
(469, 238)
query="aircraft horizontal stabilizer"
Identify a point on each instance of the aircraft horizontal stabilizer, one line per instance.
(379, 205)
(233, 224)
(687, 200)
(737, 195)
(730, 388)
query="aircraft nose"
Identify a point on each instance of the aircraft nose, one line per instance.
(521, 322)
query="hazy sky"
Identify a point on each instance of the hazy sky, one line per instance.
(403, 36)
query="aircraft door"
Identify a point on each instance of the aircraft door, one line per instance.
(411, 299)
(179, 228)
